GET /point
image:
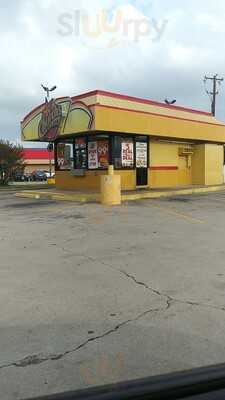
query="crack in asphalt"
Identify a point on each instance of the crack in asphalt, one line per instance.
(36, 359)
(169, 299)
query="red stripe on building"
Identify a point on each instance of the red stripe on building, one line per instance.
(37, 154)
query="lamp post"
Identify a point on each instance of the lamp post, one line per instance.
(50, 145)
(170, 102)
(50, 149)
(47, 90)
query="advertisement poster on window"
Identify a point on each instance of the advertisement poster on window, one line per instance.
(92, 155)
(63, 156)
(80, 143)
(127, 154)
(80, 153)
(141, 155)
(103, 154)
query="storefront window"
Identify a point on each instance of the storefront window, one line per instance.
(98, 154)
(94, 153)
(123, 152)
(80, 161)
(65, 155)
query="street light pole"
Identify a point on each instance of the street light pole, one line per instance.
(50, 145)
(47, 90)
(50, 149)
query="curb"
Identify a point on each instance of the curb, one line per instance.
(80, 198)
(157, 195)
(95, 197)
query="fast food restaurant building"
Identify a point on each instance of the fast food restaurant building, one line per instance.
(150, 144)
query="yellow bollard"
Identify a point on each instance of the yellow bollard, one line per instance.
(111, 188)
(51, 181)
(111, 170)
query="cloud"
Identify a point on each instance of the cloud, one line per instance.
(33, 52)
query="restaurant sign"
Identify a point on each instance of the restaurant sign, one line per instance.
(50, 121)
(57, 118)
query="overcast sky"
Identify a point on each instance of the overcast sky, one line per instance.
(158, 49)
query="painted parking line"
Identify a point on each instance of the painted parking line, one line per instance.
(186, 217)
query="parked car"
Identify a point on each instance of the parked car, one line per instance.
(18, 177)
(39, 176)
(27, 177)
(47, 173)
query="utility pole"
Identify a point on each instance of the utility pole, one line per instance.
(215, 79)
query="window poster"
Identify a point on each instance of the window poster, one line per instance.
(92, 155)
(103, 154)
(127, 150)
(80, 143)
(141, 155)
(63, 155)
(80, 153)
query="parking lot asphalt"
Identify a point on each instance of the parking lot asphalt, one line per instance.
(92, 295)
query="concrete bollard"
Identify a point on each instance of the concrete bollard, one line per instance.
(111, 188)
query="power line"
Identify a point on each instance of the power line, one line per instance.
(215, 80)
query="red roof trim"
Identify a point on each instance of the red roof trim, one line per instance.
(32, 112)
(123, 97)
(83, 95)
(158, 115)
(139, 100)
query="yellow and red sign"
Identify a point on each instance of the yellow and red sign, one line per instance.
(57, 118)
(50, 121)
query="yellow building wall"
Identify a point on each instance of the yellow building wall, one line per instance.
(162, 179)
(128, 179)
(168, 168)
(198, 165)
(184, 170)
(207, 164)
(163, 155)
(112, 119)
(214, 158)
(91, 180)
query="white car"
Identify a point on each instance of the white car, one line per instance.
(48, 175)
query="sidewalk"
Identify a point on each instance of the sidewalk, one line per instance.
(86, 196)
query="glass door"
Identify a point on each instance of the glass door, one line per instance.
(141, 161)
